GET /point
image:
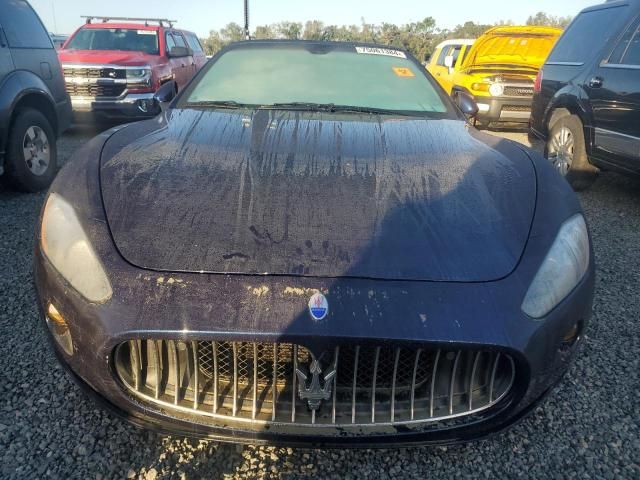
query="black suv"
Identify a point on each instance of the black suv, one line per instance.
(587, 96)
(34, 106)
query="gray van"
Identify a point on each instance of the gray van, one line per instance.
(34, 105)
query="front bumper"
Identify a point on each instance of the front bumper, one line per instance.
(130, 106)
(193, 309)
(504, 109)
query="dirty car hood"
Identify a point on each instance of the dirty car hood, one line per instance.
(291, 193)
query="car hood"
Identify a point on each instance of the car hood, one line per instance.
(510, 49)
(106, 57)
(320, 195)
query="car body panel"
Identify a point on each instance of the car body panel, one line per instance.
(289, 193)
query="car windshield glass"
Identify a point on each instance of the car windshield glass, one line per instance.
(126, 39)
(303, 77)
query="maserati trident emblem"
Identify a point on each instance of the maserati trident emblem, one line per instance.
(315, 392)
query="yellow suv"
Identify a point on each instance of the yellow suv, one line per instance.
(447, 59)
(500, 70)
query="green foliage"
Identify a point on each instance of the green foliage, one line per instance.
(420, 38)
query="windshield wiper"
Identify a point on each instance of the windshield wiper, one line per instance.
(332, 107)
(320, 107)
(218, 104)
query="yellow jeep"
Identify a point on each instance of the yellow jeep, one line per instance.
(500, 70)
(447, 59)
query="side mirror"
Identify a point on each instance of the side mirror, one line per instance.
(177, 52)
(467, 104)
(166, 93)
(448, 61)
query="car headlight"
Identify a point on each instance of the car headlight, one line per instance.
(68, 249)
(496, 89)
(563, 268)
(138, 73)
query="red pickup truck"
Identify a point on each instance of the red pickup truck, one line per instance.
(112, 68)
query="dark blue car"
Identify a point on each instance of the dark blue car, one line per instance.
(311, 245)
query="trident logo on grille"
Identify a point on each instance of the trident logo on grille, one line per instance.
(314, 392)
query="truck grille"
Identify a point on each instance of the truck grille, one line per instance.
(258, 384)
(513, 91)
(94, 90)
(89, 72)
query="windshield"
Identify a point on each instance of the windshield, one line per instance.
(126, 39)
(362, 77)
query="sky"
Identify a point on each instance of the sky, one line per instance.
(201, 16)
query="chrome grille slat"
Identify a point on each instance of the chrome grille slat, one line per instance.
(393, 385)
(222, 382)
(413, 382)
(373, 387)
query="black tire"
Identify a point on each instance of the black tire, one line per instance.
(567, 151)
(19, 173)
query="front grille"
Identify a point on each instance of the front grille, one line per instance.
(94, 90)
(516, 108)
(218, 383)
(513, 91)
(95, 72)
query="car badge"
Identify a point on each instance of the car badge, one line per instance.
(315, 392)
(113, 74)
(318, 306)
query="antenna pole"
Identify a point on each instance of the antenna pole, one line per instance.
(247, 33)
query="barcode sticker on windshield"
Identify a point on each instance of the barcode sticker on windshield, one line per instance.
(381, 51)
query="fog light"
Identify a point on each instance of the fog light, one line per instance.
(571, 335)
(59, 329)
(143, 106)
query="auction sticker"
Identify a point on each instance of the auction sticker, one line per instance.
(381, 51)
(403, 72)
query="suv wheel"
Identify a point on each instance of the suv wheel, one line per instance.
(566, 150)
(31, 152)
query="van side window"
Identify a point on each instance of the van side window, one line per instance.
(587, 34)
(22, 27)
(627, 52)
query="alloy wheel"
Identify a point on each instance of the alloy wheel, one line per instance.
(561, 150)
(37, 153)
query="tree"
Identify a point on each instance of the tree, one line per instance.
(546, 20)
(289, 30)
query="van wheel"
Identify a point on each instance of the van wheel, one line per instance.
(31, 158)
(566, 150)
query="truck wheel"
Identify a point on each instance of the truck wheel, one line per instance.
(31, 157)
(567, 152)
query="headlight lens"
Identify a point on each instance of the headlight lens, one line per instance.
(67, 247)
(496, 89)
(563, 268)
(138, 73)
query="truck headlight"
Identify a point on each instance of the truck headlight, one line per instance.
(138, 74)
(496, 89)
(68, 249)
(562, 269)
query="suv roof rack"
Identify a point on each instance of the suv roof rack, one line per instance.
(160, 21)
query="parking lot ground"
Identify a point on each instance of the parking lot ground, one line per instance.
(589, 427)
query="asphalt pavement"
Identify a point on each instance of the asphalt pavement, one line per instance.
(589, 427)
